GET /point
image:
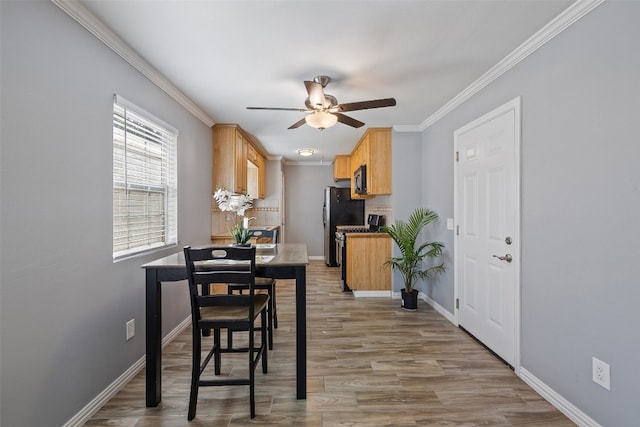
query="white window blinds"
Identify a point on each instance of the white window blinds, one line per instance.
(145, 211)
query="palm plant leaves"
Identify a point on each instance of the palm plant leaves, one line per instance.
(405, 235)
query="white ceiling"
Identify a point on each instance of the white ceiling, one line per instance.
(228, 55)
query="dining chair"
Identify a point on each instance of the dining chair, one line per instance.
(262, 283)
(213, 312)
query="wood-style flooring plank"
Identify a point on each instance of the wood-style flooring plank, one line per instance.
(369, 364)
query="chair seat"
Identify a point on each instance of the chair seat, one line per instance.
(234, 313)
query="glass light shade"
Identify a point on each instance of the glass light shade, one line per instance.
(321, 120)
(306, 151)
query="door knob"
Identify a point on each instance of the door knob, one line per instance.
(507, 257)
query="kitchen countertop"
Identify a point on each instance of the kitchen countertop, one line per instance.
(255, 227)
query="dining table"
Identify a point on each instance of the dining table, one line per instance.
(279, 261)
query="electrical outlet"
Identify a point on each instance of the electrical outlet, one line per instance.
(601, 373)
(131, 329)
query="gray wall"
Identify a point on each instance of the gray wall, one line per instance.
(580, 202)
(437, 194)
(406, 187)
(304, 194)
(64, 303)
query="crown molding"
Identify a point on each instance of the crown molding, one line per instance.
(573, 13)
(408, 128)
(560, 23)
(89, 21)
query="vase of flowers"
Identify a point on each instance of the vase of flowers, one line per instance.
(236, 205)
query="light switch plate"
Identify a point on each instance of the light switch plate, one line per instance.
(131, 329)
(449, 223)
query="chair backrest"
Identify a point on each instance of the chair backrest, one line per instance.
(263, 235)
(220, 264)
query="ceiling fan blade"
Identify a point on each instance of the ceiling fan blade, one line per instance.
(297, 124)
(365, 105)
(316, 94)
(350, 121)
(277, 108)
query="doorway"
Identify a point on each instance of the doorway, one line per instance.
(487, 236)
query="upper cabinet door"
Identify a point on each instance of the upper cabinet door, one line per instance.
(237, 164)
(374, 151)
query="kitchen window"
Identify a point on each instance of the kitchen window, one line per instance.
(145, 196)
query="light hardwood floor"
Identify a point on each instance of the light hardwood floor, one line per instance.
(369, 364)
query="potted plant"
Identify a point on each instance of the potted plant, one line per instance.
(238, 205)
(409, 263)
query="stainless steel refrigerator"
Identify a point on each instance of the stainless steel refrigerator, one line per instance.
(338, 209)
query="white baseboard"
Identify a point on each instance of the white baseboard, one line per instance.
(562, 404)
(371, 294)
(100, 400)
(440, 309)
(437, 307)
(316, 258)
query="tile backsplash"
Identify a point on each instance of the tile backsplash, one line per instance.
(265, 212)
(387, 211)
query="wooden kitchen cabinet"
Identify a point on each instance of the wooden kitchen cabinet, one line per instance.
(241, 163)
(374, 151)
(260, 164)
(342, 167)
(232, 150)
(252, 154)
(366, 254)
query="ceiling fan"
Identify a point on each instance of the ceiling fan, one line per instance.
(324, 109)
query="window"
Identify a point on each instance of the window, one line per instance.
(145, 211)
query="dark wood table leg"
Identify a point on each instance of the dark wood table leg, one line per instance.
(153, 338)
(301, 332)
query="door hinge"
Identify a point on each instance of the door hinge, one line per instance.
(457, 230)
(457, 156)
(457, 303)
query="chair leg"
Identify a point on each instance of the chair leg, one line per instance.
(263, 338)
(252, 362)
(217, 360)
(229, 338)
(270, 320)
(229, 331)
(195, 373)
(275, 309)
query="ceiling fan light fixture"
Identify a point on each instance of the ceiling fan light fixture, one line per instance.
(321, 120)
(306, 152)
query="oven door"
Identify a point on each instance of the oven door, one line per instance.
(339, 246)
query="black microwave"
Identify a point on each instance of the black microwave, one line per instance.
(360, 180)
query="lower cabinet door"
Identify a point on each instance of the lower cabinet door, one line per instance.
(366, 254)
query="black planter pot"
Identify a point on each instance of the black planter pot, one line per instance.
(409, 300)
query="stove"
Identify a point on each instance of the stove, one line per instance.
(355, 229)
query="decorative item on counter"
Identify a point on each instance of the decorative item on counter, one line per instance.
(237, 205)
(409, 264)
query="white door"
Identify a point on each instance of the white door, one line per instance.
(487, 235)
